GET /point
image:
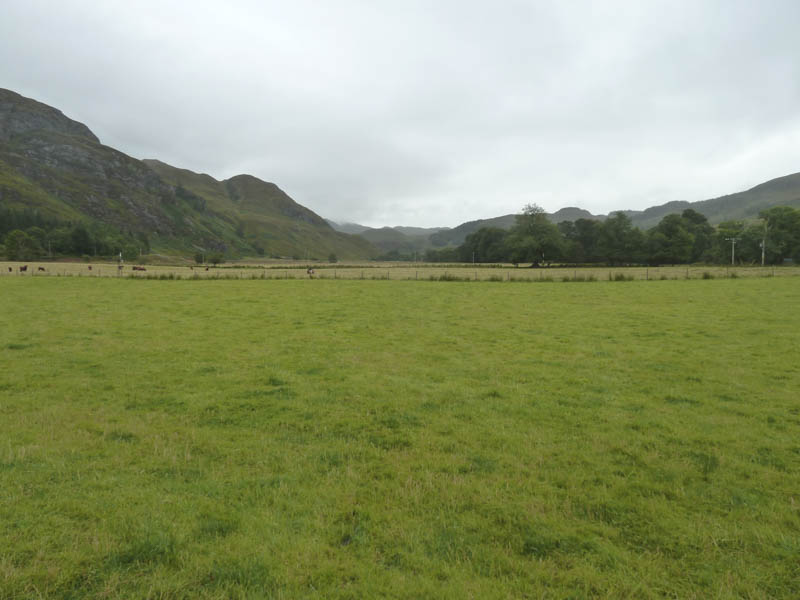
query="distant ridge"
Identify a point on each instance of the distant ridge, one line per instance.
(781, 191)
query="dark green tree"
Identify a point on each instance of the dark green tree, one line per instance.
(620, 242)
(697, 224)
(534, 238)
(670, 241)
(20, 246)
(485, 245)
(781, 228)
(81, 240)
(581, 240)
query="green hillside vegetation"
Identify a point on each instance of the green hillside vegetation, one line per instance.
(395, 244)
(457, 235)
(56, 168)
(263, 216)
(677, 239)
(417, 231)
(783, 191)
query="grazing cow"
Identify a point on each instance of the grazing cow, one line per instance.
(90, 267)
(119, 267)
(23, 269)
(135, 268)
(10, 270)
(41, 269)
(206, 268)
(310, 272)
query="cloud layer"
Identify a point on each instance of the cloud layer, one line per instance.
(430, 113)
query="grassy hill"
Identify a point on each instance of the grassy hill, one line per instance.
(782, 191)
(457, 235)
(56, 167)
(263, 215)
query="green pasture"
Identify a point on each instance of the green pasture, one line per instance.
(404, 439)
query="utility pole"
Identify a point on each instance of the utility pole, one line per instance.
(764, 243)
(733, 241)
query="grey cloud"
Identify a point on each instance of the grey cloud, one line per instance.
(426, 113)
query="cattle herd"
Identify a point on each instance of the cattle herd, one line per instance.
(24, 268)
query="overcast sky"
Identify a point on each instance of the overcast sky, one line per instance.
(429, 112)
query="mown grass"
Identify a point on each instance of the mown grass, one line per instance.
(348, 439)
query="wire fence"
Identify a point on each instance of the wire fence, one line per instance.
(400, 271)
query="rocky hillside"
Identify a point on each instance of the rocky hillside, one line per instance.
(263, 216)
(58, 168)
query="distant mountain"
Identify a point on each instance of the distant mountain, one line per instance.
(782, 191)
(416, 231)
(457, 235)
(572, 213)
(351, 228)
(56, 167)
(388, 239)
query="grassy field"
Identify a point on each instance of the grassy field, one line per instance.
(349, 439)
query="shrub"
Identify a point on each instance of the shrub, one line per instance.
(620, 277)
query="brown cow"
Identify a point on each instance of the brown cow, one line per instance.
(23, 269)
(10, 270)
(41, 269)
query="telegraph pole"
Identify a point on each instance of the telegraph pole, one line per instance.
(733, 241)
(764, 244)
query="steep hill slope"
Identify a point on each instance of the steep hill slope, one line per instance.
(55, 165)
(58, 168)
(264, 215)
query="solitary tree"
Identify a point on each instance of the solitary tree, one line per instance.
(534, 238)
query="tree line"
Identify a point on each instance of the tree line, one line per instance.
(677, 239)
(27, 235)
